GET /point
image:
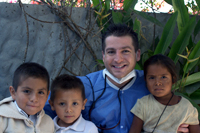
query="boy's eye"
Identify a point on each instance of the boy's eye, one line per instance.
(61, 104)
(164, 77)
(151, 77)
(75, 103)
(26, 91)
(41, 92)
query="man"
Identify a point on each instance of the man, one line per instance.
(112, 92)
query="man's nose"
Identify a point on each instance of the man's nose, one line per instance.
(118, 57)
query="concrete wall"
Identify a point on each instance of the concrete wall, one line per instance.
(47, 46)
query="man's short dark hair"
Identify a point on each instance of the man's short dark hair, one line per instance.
(29, 69)
(120, 30)
(66, 82)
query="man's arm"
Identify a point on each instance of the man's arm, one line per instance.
(136, 125)
(194, 128)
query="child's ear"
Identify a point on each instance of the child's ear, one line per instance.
(84, 102)
(48, 93)
(52, 107)
(12, 92)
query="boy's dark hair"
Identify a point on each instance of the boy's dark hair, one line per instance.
(29, 69)
(66, 82)
(163, 60)
(120, 30)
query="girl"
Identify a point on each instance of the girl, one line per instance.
(162, 111)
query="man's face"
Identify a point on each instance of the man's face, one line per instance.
(120, 57)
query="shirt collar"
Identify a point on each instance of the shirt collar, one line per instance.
(79, 125)
(125, 87)
(33, 118)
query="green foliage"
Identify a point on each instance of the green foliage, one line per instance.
(167, 35)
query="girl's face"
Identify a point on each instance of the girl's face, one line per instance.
(159, 80)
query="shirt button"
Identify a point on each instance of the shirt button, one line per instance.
(121, 126)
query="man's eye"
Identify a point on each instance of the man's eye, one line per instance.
(126, 51)
(111, 52)
(75, 103)
(164, 77)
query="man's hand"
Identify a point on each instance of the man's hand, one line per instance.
(183, 128)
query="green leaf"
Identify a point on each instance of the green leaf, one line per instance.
(150, 18)
(95, 3)
(198, 3)
(100, 61)
(137, 27)
(196, 96)
(193, 55)
(183, 16)
(182, 40)
(167, 35)
(107, 2)
(137, 66)
(191, 79)
(169, 1)
(128, 7)
(129, 4)
(117, 17)
(192, 102)
(145, 56)
(197, 28)
(192, 88)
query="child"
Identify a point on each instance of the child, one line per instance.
(23, 111)
(68, 100)
(162, 111)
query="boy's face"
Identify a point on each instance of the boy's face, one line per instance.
(120, 56)
(68, 105)
(31, 95)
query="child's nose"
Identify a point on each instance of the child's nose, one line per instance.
(68, 109)
(34, 98)
(158, 82)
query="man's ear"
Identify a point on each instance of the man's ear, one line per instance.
(138, 55)
(52, 106)
(84, 102)
(12, 92)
